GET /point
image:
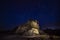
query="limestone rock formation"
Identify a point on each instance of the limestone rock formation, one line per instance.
(30, 28)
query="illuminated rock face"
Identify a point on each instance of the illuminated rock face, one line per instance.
(32, 32)
(31, 28)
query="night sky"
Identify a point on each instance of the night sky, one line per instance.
(17, 12)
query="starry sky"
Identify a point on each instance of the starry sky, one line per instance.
(16, 12)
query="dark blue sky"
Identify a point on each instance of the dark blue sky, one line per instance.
(17, 12)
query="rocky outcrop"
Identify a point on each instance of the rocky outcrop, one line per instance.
(30, 28)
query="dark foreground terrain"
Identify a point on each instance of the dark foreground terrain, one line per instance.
(51, 35)
(18, 37)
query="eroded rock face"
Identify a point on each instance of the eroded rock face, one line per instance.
(32, 32)
(31, 28)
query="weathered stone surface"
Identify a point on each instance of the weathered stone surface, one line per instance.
(30, 28)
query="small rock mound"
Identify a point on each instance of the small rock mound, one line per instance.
(30, 28)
